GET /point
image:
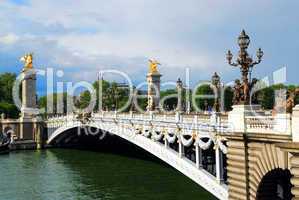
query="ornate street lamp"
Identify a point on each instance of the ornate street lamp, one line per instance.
(246, 64)
(179, 87)
(217, 84)
(216, 80)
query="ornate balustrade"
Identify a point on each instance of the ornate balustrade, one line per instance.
(279, 124)
(258, 123)
(185, 123)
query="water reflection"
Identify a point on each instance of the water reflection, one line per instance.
(85, 175)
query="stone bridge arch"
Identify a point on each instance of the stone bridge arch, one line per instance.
(252, 162)
(267, 162)
(276, 184)
(128, 133)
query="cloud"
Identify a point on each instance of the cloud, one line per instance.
(82, 37)
(9, 39)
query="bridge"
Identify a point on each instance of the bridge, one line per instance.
(256, 161)
(244, 154)
(166, 136)
(253, 157)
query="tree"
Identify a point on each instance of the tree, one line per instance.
(201, 101)
(84, 100)
(170, 103)
(104, 85)
(114, 96)
(6, 99)
(228, 98)
(10, 110)
(142, 102)
(6, 85)
(266, 98)
(61, 106)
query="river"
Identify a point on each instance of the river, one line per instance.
(68, 174)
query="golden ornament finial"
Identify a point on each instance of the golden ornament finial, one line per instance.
(194, 135)
(27, 59)
(153, 66)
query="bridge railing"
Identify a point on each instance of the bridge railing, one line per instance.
(279, 124)
(265, 124)
(216, 122)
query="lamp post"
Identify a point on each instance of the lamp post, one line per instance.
(179, 87)
(217, 84)
(246, 64)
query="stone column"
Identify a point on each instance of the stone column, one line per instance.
(179, 87)
(29, 105)
(219, 165)
(166, 144)
(38, 132)
(153, 92)
(198, 156)
(181, 149)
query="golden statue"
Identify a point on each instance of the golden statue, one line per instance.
(27, 59)
(153, 66)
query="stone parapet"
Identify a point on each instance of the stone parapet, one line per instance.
(237, 117)
(295, 124)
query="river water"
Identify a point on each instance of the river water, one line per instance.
(68, 174)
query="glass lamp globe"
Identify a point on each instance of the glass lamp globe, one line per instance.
(243, 40)
(259, 53)
(229, 55)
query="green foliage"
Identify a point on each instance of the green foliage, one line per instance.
(171, 102)
(84, 100)
(104, 85)
(228, 98)
(200, 101)
(10, 110)
(53, 108)
(6, 85)
(266, 97)
(6, 100)
(112, 96)
(142, 103)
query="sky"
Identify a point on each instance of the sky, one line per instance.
(84, 36)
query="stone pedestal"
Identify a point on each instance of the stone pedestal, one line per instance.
(295, 124)
(29, 105)
(236, 117)
(153, 80)
(28, 128)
